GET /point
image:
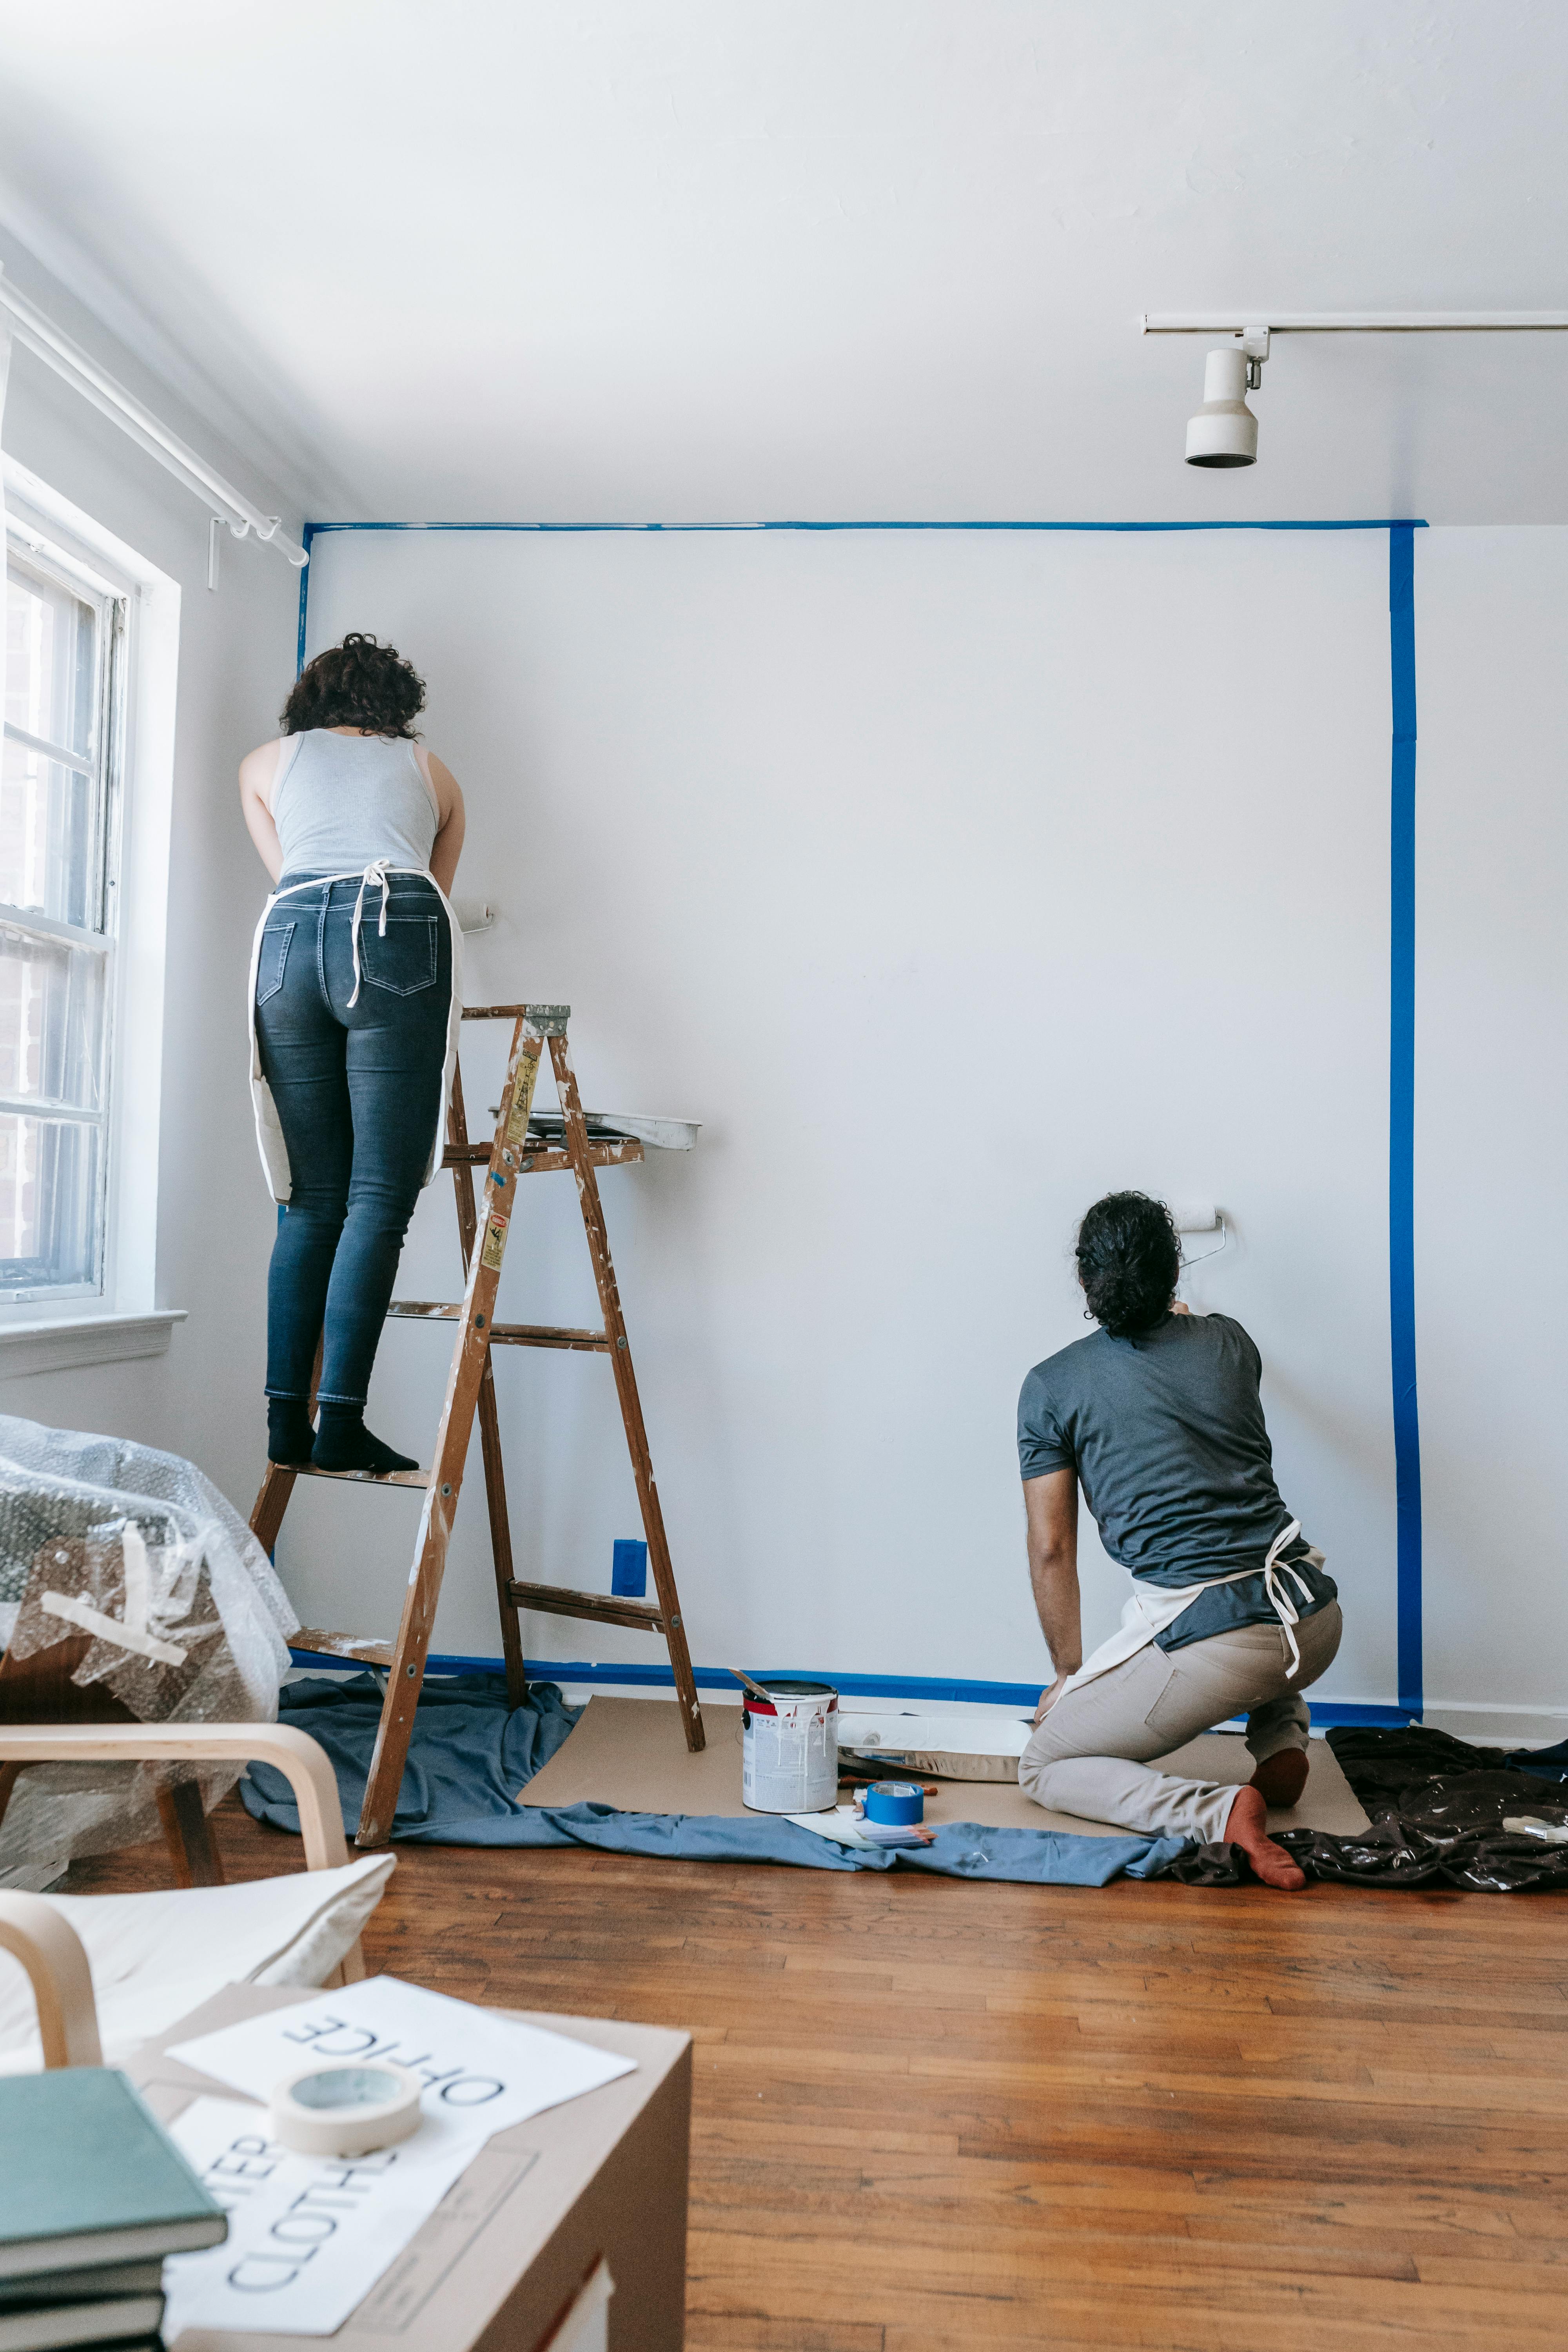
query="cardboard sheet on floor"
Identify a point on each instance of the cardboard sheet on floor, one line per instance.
(631, 1753)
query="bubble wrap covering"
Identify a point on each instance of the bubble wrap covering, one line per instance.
(135, 1554)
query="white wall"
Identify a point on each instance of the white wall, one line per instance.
(951, 879)
(1492, 1147)
(237, 661)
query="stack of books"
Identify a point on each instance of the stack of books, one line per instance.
(93, 2194)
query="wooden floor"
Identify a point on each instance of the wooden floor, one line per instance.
(932, 2116)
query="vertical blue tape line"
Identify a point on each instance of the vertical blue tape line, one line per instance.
(1402, 1110)
(306, 536)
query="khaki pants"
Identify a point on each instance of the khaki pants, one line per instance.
(1091, 1754)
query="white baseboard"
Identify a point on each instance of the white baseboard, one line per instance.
(1497, 1726)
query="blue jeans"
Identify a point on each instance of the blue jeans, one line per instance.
(358, 1091)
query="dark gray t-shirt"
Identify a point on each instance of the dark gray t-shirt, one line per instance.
(1165, 1431)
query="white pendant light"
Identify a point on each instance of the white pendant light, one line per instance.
(1224, 430)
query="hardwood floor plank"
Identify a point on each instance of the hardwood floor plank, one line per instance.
(930, 2116)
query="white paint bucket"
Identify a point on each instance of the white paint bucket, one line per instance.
(790, 1748)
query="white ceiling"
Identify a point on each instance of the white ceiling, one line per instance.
(725, 259)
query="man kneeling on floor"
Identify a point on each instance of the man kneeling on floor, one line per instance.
(1157, 1415)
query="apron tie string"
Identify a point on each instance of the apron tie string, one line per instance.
(1289, 1616)
(376, 871)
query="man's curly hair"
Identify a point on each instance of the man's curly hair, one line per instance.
(1129, 1262)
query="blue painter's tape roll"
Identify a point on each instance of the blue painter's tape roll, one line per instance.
(895, 1803)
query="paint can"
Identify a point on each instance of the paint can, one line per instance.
(790, 1748)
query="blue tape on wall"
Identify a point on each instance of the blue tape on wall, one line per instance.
(1359, 522)
(547, 529)
(1401, 1110)
(1402, 1096)
(306, 536)
(935, 1691)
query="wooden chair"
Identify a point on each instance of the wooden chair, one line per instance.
(39, 1692)
(39, 1937)
(51, 1951)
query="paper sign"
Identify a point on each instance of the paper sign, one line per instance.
(480, 2070)
(308, 2236)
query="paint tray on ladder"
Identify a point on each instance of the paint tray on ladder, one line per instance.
(660, 1134)
(949, 1747)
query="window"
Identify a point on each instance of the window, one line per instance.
(59, 807)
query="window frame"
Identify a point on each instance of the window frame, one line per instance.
(38, 552)
(125, 1319)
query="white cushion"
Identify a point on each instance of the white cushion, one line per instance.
(154, 1957)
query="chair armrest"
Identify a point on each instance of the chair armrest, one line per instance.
(52, 1952)
(302, 1762)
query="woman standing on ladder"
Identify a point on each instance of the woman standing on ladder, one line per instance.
(355, 1003)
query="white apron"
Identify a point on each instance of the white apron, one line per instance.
(1152, 1607)
(268, 1128)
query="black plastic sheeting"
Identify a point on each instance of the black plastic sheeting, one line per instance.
(1436, 1806)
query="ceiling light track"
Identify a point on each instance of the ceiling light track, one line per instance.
(1353, 322)
(1225, 431)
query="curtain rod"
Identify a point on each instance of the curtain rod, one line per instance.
(40, 335)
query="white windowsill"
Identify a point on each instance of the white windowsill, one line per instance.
(63, 1343)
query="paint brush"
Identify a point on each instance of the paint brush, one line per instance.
(747, 1683)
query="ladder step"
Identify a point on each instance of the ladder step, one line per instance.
(364, 1477)
(553, 1599)
(546, 1335)
(502, 1335)
(605, 1608)
(352, 1646)
(550, 1020)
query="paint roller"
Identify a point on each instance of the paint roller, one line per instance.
(1200, 1217)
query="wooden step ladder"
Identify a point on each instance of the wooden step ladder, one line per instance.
(483, 1230)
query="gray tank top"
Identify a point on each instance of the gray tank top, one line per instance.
(340, 802)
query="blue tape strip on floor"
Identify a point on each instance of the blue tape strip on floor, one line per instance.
(1402, 1112)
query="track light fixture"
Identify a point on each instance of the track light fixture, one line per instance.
(1225, 431)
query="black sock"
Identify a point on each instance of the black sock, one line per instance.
(343, 1443)
(289, 1431)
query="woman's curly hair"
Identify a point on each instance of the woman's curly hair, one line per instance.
(357, 684)
(1129, 1262)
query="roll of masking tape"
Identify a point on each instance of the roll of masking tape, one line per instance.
(895, 1802)
(346, 2110)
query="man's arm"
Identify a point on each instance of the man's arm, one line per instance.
(1051, 1505)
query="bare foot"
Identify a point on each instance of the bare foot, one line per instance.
(1282, 1775)
(1247, 1828)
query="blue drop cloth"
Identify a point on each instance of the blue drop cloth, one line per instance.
(470, 1754)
